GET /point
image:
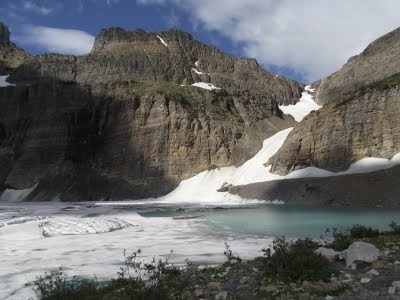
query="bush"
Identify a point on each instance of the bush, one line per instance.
(230, 255)
(343, 238)
(136, 280)
(296, 261)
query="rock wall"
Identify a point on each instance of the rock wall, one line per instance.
(117, 124)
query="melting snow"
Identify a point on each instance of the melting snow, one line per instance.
(3, 81)
(302, 108)
(77, 226)
(11, 195)
(206, 86)
(162, 41)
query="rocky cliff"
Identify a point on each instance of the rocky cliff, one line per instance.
(124, 120)
(360, 117)
(10, 55)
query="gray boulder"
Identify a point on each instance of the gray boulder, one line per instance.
(360, 251)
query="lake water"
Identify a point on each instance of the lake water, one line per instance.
(90, 238)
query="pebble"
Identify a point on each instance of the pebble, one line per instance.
(396, 284)
(269, 288)
(391, 290)
(255, 270)
(377, 265)
(199, 293)
(373, 272)
(244, 280)
(328, 298)
(354, 266)
(222, 296)
(365, 280)
(347, 276)
(397, 262)
(213, 285)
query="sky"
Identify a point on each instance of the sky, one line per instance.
(301, 39)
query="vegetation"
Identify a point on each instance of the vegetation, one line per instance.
(381, 85)
(291, 262)
(136, 280)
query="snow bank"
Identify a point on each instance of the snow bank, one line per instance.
(302, 108)
(162, 41)
(20, 220)
(12, 195)
(3, 81)
(206, 86)
(78, 226)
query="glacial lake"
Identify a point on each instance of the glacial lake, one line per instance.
(89, 238)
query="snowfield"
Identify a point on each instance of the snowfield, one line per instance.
(206, 86)
(162, 41)
(302, 108)
(3, 81)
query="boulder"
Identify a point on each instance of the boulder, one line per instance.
(360, 251)
(328, 253)
(222, 296)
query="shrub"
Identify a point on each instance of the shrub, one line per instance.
(229, 253)
(296, 261)
(342, 238)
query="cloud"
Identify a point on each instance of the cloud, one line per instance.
(33, 7)
(65, 41)
(313, 37)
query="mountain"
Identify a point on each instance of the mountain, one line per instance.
(360, 117)
(11, 56)
(125, 120)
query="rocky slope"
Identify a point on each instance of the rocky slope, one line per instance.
(124, 120)
(360, 117)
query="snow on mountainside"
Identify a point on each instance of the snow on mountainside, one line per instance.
(3, 81)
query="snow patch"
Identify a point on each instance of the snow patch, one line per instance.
(198, 72)
(206, 86)
(3, 81)
(78, 226)
(303, 107)
(11, 195)
(20, 220)
(162, 41)
(197, 63)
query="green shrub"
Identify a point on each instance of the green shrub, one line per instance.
(342, 238)
(296, 261)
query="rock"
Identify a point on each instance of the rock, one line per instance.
(378, 265)
(328, 253)
(304, 296)
(255, 270)
(244, 280)
(269, 288)
(353, 266)
(365, 280)
(396, 284)
(321, 287)
(329, 297)
(391, 290)
(222, 296)
(213, 285)
(233, 261)
(360, 251)
(199, 292)
(397, 263)
(373, 272)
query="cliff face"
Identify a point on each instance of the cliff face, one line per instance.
(378, 61)
(124, 122)
(360, 117)
(11, 56)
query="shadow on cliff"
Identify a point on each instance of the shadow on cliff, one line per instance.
(57, 134)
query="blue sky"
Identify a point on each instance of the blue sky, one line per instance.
(303, 40)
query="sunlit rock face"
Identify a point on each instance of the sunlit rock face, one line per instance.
(360, 117)
(125, 121)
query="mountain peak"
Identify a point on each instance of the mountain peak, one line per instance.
(117, 35)
(4, 35)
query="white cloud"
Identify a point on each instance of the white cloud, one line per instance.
(314, 37)
(33, 7)
(65, 41)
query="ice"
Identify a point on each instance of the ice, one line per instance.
(3, 81)
(76, 226)
(162, 41)
(11, 195)
(303, 107)
(207, 86)
(20, 220)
